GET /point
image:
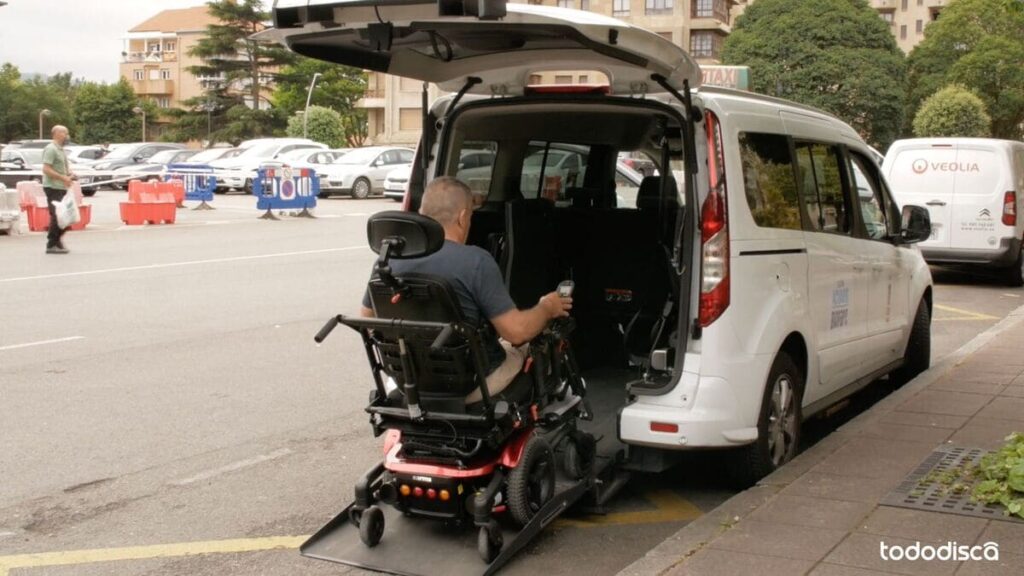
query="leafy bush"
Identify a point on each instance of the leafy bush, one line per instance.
(325, 125)
(951, 112)
(1002, 474)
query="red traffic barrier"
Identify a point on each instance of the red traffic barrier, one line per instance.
(33, 202)
(176, 188)
(150, 208)
(137, 187)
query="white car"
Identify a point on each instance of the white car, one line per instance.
(362, 171)
(84, 155)
(394, 183)
(239, 171)
(723, 309)
(974, 190)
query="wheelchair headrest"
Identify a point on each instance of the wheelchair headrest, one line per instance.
(413, 235)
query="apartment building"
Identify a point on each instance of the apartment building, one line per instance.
(155, 59)
(393, 104)
(907, 19)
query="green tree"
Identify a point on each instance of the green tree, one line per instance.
(324, 125)
(243, 68)
(951, 112)
(103, 113)
(338, 88)
(978, 43)
(22, 101)
(837, 55)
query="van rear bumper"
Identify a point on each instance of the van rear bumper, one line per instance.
(1004, 255)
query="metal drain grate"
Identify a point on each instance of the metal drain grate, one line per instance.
(922, 491)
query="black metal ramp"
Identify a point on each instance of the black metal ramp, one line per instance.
(414, 546)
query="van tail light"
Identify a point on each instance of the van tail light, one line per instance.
(1010, 209)
(714, 231)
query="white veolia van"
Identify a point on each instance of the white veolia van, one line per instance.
(773, 280)
(974, 190)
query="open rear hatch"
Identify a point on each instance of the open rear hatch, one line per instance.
(445, 41)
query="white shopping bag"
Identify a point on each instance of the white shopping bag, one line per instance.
(67, 210)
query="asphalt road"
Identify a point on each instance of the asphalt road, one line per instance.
(164, 410)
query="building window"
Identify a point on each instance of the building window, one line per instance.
(717, 9)
(903, 6)
(564, 3)
(165, 74)
(920, 26)
(903, 32)
(654, 7)
(888, 17)
(169, 46)
(934, 13)
(920, 2)
(410, 119)
(584, 4)
(563, 79)
(138, 75)
(704, 44)
(620, 7)
(154, 74)
(163, 102)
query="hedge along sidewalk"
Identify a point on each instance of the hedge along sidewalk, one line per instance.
(819, 514)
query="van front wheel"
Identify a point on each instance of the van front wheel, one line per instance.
(778, 426)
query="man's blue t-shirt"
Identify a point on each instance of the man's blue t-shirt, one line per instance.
(476, 280)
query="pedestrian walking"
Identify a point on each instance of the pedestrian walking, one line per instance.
(57, 179)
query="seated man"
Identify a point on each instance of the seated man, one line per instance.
(476, 280)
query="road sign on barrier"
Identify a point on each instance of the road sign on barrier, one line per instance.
(199, 181)
(285, 188)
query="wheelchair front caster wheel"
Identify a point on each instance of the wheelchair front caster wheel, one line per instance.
(371, 526)
(489, 541)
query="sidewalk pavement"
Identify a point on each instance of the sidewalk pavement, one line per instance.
(820, 514)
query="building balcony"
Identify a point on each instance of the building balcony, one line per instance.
(717, 10)
(884, 4)
(149, 56)
(153, 87)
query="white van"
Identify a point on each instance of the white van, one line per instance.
(772, 280)
(974, 190)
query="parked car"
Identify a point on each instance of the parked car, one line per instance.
(361, 172)
(209, 155)
(84, 155)
(395, 181)
(639, 162)
(974, 191)
(239, 171)
(152, 169)
(22, 158)
(749, 296)
(132, 154)
(40, 143)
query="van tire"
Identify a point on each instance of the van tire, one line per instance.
(746, 465)
(1015, 273)
(918, 354)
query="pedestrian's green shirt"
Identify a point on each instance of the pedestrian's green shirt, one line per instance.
(54, 156)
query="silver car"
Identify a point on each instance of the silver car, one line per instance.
(362, 171)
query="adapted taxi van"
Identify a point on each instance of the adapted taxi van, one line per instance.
(774, 278)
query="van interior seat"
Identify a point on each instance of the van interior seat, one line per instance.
(530, 261)
(487, 229)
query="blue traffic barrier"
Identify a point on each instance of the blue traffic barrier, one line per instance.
(285, 188)
(199, 181)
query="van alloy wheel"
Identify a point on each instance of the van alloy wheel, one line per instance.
(782, 420)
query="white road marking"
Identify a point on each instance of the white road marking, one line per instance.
(180, 264)
(1011, 295)
(41, 343)
(232, 467)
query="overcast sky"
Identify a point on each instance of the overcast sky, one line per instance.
(78, 36)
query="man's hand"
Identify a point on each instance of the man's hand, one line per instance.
(555, 305)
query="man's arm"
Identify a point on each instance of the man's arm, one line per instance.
(520, 326)
(366, 312)
(49, 171)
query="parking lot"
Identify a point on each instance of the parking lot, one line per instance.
(165, 410)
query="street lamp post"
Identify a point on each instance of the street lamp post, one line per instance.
(139, 110)
(43, 112)
(305, 115)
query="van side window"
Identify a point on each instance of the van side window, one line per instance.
(819, 170)
(869, 198)
(768, 179)
(549, 168)
(473, 163)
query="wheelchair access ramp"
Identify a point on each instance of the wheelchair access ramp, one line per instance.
(416, 546)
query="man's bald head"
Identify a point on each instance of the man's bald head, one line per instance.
(445, 199)
(59, 133)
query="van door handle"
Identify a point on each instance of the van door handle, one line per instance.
(936, 203)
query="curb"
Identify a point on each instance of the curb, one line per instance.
(697, 534)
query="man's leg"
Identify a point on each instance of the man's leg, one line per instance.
(54, 232)
(503, 375)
